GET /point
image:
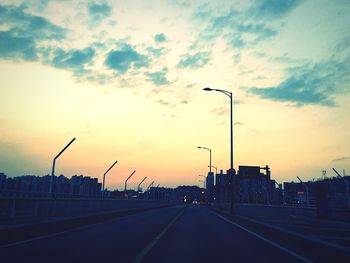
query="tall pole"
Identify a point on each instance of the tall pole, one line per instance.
(104, 177)
(126, 181)
(231, 172)
(231, 106)
(208, 149)
(138, 187)
(346, 186)
(54, 163)
(150, 186)
(216, 169)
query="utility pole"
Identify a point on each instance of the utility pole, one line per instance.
(150, 185)
(139, 186)
(126, 181)
(346, 186)
(54, 164)
(104, 177)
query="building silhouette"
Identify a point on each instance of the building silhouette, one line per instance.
(31, 185)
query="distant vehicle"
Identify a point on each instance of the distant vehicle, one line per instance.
(195, 202)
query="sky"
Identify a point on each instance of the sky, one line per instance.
(126, 79)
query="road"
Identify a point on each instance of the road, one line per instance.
(173, 234)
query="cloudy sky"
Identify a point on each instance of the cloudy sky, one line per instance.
(126, 77)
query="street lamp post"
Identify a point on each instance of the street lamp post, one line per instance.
(229, 94)
(54, 164)
(139, 186)
(126, 181)
(149, 188)
(208, 149)
(104, 177)
(150, 185)
(231, 171)
(216, 169)
(347, 188)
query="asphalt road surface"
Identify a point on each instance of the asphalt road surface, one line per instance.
(173, 234)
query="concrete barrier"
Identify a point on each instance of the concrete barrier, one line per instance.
(280, 212)
(11, 208)
(273, 211)
(14, 233)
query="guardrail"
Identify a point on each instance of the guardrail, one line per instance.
(63, 207)
(31, 194)
(281, 211)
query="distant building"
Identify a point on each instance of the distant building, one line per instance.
(336, 191)
(210, 189)
(35, 185)
(252, 186)
(188, 194)
(222, 188)
(2, 180)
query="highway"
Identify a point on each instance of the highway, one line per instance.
(173, 234)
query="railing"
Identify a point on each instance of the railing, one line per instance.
(14, 207)
(30, 194)
(280, 212)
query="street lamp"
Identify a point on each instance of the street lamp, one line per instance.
(228, 93)
(139, 186)
(104, 177)
(208, 149)
(126, 181)
(216, 169)
(54, 163)
(231, 171)
(346, 185)
(150, 185)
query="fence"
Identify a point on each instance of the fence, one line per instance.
(61, 207)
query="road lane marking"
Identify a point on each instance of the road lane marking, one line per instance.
(264, 239)
(72, 229)
(148, 248)
(294, 233)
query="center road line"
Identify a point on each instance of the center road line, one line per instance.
(148, 248)
(264, 239)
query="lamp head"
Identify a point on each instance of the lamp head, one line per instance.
(199, 147)
(207, 89)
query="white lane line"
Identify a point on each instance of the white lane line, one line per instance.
(68, 230)
(290, 232)
(264, 239)
(147, 249)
